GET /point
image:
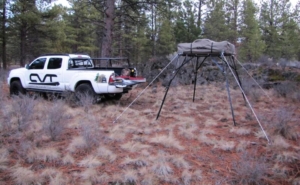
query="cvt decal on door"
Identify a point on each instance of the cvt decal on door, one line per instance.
(36, 80)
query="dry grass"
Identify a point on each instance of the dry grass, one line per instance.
(186, 177)
(90, 162)
(180, 162)
(58, 179)
(133, 146)
(43, 154)
(188, 131)
(137, 162)
(68, 159)
(77, 143)
(130, 176)
(166, 140)
(287, 157)
(225, 145)
(117, 133)
(53, 176)
(188, 144)
(210, 123)
(107, 154)
(242, 145)
(90, 175)
(280, 143)
(240, 131)
(162, 168)
(24, 176)
(206, 140)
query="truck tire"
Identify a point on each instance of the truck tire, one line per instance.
(16, 88)
(118, 96)
(85, 89)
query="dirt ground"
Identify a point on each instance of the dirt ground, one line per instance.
(190, 143)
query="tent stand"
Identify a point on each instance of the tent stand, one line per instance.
(232, 65)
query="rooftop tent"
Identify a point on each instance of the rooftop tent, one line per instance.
(206, 47)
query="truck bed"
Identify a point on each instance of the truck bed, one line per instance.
(117, 70)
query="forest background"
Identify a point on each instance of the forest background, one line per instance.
(143, 29)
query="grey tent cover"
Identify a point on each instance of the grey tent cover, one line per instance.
(206, 46)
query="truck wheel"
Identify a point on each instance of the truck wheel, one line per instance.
(16, 88)
(85, 89)
(118, 96)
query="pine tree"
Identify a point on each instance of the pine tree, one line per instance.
(275, 23)
(215, 27)
(186, 28)
(81, 27)
(166, 40)
(252, 46)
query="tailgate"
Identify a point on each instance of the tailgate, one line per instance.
(127, 81)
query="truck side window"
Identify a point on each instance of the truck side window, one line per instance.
(38, 64)
(80, 63)
(70, 64)
(54, 63)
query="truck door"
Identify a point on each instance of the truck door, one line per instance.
(47, 77)
(53, 76)
(35, 73)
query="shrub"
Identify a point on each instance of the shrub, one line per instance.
(85, 100)
(3, 159)
(249, 170)
(56, 118)
(286, 89)
(2, 94)
(6, 117)
(23, 110)
(281, 126)
(90, 133)
(70, 98)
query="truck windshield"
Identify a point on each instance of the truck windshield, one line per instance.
(80, 62)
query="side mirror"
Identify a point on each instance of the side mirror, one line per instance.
(26, 66)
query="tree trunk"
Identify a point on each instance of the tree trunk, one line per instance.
(23, 44)
(4, 35)
(199, 14)
(109, 23)
(153, 29)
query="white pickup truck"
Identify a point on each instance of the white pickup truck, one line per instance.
(58, 73)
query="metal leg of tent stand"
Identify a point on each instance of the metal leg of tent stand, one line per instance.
(195, 80)
(237, 75)
(162, 103)
(229, 97)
